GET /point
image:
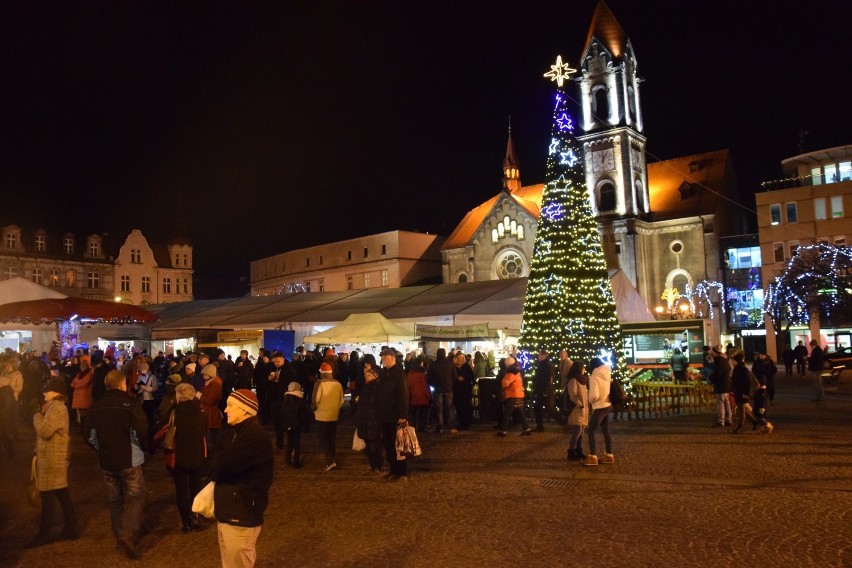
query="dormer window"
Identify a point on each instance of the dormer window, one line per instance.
(687, 190)
(136, 256)
(94, 248)
(40, 244)
(68, 245)
(12, 240)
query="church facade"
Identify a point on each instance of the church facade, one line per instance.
(660, 222)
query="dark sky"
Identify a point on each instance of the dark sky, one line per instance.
(254, 128)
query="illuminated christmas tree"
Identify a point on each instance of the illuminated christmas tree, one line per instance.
(569, 303)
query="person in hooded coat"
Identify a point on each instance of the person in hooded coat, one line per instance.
(600, 381)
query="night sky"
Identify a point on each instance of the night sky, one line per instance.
(256, 128)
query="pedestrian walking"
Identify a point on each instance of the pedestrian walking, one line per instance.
(392, 411)
(600, 381)
(577, 392)
(294, 417)
(721, 380)
(327, 402)
(242, 469)
(52, 453)
(816, 362)
(743, 384)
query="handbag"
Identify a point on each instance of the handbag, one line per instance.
(33, 494)
(407, 445)
(165, 436)
(358, 443)
(203, 504)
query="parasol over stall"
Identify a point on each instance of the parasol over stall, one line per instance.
(53, 310)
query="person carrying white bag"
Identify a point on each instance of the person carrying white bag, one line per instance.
(392, 411)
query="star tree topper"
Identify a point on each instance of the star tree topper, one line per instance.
(560, 72)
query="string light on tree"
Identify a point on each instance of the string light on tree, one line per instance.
(569, 303)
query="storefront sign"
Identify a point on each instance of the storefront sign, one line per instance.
(240, 334)
(474, 331)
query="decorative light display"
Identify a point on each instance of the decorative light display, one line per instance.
(564, 122)
(291, 288)
(560, 72)
(569, 303)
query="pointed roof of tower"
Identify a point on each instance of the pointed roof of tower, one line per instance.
(606, 28)
(511, 159)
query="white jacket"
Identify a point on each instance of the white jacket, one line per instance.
(599, 384)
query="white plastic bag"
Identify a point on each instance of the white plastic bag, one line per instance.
(358, 443)
(203, 502)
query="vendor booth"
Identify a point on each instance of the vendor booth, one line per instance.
(369, 332)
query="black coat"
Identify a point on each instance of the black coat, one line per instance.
(113, 417)
(293, 411)
(189, 426)
(442, 375)
(242, 470)
(366, 421)
(244, 374)
(721, 377)
(543, 376)
(392, 395)
(742, 384)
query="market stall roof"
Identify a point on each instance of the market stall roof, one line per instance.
(364, 328)
(498, 302)
(19, 289)
(51, 310)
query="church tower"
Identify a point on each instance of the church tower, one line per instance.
(511, 170)
(611, 120)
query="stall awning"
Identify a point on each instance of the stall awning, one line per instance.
(473, 332)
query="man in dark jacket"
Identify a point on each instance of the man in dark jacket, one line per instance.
(244, 371)
(392, 410)
(441, 376)
(99, 373)
(242, 470)
(816, 362)
(765, 370)
(721, 380)
(543, 389)
(117, 428)
(281, 374)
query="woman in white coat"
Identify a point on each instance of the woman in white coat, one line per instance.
(600, 381)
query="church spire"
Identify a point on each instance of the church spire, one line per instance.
(511, 171)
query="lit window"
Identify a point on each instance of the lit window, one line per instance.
(136, 256)
(775, 213)
(125, 283)
(836, 206)
(819, 208)
(68, 245)
(37, 275)
(816, 176)
(146, 284)
(94, 248)
(792, 213)
(39, 242)
(366, 280)
(70, 278)
(830, 173)
(385, 278)
(845, 171)
(54, 278)
(93, 280)
(510, 265)
(167, 285)
(778, 251)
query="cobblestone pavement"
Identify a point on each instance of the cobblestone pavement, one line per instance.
(680, 492)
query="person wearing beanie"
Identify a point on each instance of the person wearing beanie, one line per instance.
(242, 468)
(210, 396)
(294, 416)
(282, 374)
(600, 382)
(52, 452)
(327, 401)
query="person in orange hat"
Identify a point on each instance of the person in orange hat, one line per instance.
(327, 401)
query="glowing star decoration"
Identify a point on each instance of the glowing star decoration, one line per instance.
(544, 249)
(523, 359)
(553, 211)
(552, 285)
(605, 355)
(560, 72)
(574, 327)
(605, 290)
(568, 158)
(565, 122)
(554, 146)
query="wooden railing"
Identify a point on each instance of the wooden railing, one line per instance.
(655, 399)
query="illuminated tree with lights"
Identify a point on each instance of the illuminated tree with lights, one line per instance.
(816, 281)
(569, 303)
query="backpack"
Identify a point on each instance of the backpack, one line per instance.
(617, 395)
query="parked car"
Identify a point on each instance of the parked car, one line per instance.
(839, 357)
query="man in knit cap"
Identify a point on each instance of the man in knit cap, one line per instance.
(327, 401)
(242, 469)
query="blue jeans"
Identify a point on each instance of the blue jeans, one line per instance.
(723, 408)
(126, 498)
(444, 409)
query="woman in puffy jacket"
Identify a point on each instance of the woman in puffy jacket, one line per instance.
(600, 381)
(577, 390)
(82, 385)
(513, 398)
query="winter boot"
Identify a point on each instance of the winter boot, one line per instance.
(572, 455)
(608, 458)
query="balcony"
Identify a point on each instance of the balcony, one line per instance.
(804, 181)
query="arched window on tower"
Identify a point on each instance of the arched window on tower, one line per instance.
(600, 103)
(631, 102)
(606, 197)
(640, 196)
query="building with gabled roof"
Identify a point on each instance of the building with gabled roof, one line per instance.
(660, 222)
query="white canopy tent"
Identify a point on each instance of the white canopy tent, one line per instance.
(364, 328)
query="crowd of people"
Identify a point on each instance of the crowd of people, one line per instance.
(211, 418)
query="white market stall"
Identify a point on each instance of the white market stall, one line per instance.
(370, 329)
